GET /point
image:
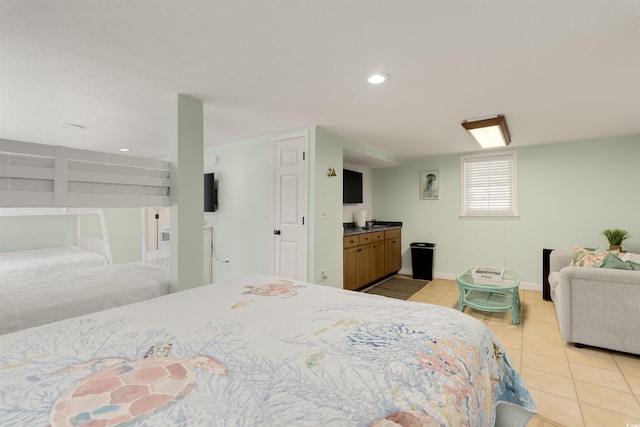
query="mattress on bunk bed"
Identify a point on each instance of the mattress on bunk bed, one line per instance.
(35, 300)
(263, 351)
(34, 262)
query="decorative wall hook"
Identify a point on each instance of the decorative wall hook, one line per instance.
(332, 172)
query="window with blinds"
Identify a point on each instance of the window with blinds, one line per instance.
(489, 187)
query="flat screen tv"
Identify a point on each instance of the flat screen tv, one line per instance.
(210, 193)
(351, 186)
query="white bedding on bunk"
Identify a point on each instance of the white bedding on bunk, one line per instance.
(35, 262)
(28, 300)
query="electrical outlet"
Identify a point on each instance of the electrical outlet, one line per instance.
(474, 255)
(323, 274)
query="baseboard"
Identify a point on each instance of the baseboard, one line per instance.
(529, 286)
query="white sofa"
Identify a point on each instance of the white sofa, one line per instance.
(598, 307)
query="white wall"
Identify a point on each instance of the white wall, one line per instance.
(243, 223)
(34, 232)
(124, 226)
(326, 196)
(568, 194)
(245, 190)
(187, 193)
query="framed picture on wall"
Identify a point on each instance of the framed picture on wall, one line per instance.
(429, 182)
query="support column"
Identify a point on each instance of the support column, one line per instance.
(187, 193)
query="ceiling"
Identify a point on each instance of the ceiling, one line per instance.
(558, 70)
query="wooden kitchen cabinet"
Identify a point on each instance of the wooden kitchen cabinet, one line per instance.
(350, 268)
(393, 252)
(365, 257)
(378, 260)
(358, 261)
(358, 254)
(365, 263)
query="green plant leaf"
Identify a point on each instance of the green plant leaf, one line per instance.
(615, 236)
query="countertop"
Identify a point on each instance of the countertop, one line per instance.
(351, 229)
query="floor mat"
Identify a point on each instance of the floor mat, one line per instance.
(397, 287)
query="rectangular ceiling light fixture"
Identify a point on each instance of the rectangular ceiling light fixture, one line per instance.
(489, 132)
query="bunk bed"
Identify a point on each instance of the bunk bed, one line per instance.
(45, 176)
(87, 252)
(45, 284)
(263, 351)
(31, 301)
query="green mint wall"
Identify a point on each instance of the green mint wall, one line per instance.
(243, 225)
(568, 193)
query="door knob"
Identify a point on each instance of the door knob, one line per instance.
(276, 232)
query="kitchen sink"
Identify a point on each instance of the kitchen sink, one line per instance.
(373, 226)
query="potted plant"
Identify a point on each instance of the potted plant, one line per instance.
(615, 236)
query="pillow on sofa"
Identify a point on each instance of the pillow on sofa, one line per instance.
(600, 249)
(634, 265)
(585, 258)
(630, 256)
(611, 260)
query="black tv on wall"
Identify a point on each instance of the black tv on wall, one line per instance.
(210, 193)
(351, 186)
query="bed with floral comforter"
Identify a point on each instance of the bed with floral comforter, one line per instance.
(262, 351)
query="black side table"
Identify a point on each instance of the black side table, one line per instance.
(546, 288)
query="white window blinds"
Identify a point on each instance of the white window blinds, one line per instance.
(489, 186)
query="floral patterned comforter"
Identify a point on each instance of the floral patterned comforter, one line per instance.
(262, 351)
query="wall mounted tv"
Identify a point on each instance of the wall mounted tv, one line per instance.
(210, 193)
(351, 186)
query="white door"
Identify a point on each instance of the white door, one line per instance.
(290, 207)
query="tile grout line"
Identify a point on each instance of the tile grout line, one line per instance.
(573, 380)
(624, 376)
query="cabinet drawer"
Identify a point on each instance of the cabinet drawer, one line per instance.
(350, 241)
(393, 233)
(365, 238)
(378, 236)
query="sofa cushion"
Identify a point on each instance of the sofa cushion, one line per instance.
(586, 258)
(611, 260)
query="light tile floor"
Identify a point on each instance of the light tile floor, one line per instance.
(581, 387)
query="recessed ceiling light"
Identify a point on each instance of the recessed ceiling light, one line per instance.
(125, 149)
(378, 78)
(72, 126)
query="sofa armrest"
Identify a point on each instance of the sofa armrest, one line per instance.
(559, 258)
(602, 275)
(598, 307)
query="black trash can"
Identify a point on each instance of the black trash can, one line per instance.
(422, 260)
